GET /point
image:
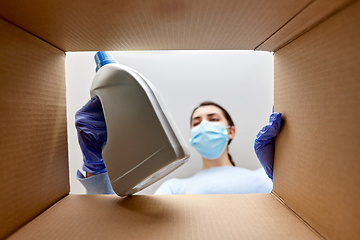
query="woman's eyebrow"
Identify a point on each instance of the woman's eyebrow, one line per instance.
(209, 115)
(212, 114)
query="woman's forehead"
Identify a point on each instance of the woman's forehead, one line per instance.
(206, 110)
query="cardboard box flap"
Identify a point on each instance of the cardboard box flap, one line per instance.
(310, 16)
(317, 88)
(251, 216)
(33, 142)
(83, 25)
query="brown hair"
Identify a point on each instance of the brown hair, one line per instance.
(226, 115)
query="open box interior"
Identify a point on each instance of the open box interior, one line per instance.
(316, 47)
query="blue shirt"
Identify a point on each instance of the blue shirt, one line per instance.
(219, 180)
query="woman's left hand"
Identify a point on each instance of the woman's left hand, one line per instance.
(265, 142)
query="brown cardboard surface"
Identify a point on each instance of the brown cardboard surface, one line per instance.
(307, 18)
(84, 25)
(317, 88)
(33, 144)
(252, 216)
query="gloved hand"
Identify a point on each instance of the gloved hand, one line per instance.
(92, 134)
(265, 142)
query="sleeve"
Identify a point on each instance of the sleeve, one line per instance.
(97, 184)
(266, 183)
(167, 188)
(266, 158)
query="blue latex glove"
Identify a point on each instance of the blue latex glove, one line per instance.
(265, 142)
(91, 127)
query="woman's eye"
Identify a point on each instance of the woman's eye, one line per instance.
(214, 119)
(195, 124)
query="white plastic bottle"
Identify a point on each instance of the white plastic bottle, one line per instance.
(143, 143)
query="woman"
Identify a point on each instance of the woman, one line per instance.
(212, 130)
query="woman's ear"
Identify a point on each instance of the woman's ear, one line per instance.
(231, 132)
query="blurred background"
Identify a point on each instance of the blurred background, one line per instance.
(242, 82)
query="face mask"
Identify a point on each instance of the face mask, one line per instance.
(209, 139)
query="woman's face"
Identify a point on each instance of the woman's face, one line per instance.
(212, 114)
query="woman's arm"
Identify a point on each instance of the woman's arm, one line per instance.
(265, 142)
(92, 134)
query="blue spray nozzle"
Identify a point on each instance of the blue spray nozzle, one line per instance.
(102, 58)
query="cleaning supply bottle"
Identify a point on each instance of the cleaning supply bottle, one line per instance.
(143, 143)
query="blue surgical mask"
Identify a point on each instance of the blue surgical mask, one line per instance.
(209, 139)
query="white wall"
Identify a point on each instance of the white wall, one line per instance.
(240, 81)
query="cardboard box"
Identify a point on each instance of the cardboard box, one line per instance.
(316, 48)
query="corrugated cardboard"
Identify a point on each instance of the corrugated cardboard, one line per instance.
(311, 15)
(33, 143)
(317, 88)
(250, 216)
(316, 172)
(92, 25)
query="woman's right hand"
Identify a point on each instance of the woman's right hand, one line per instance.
(91, 127)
